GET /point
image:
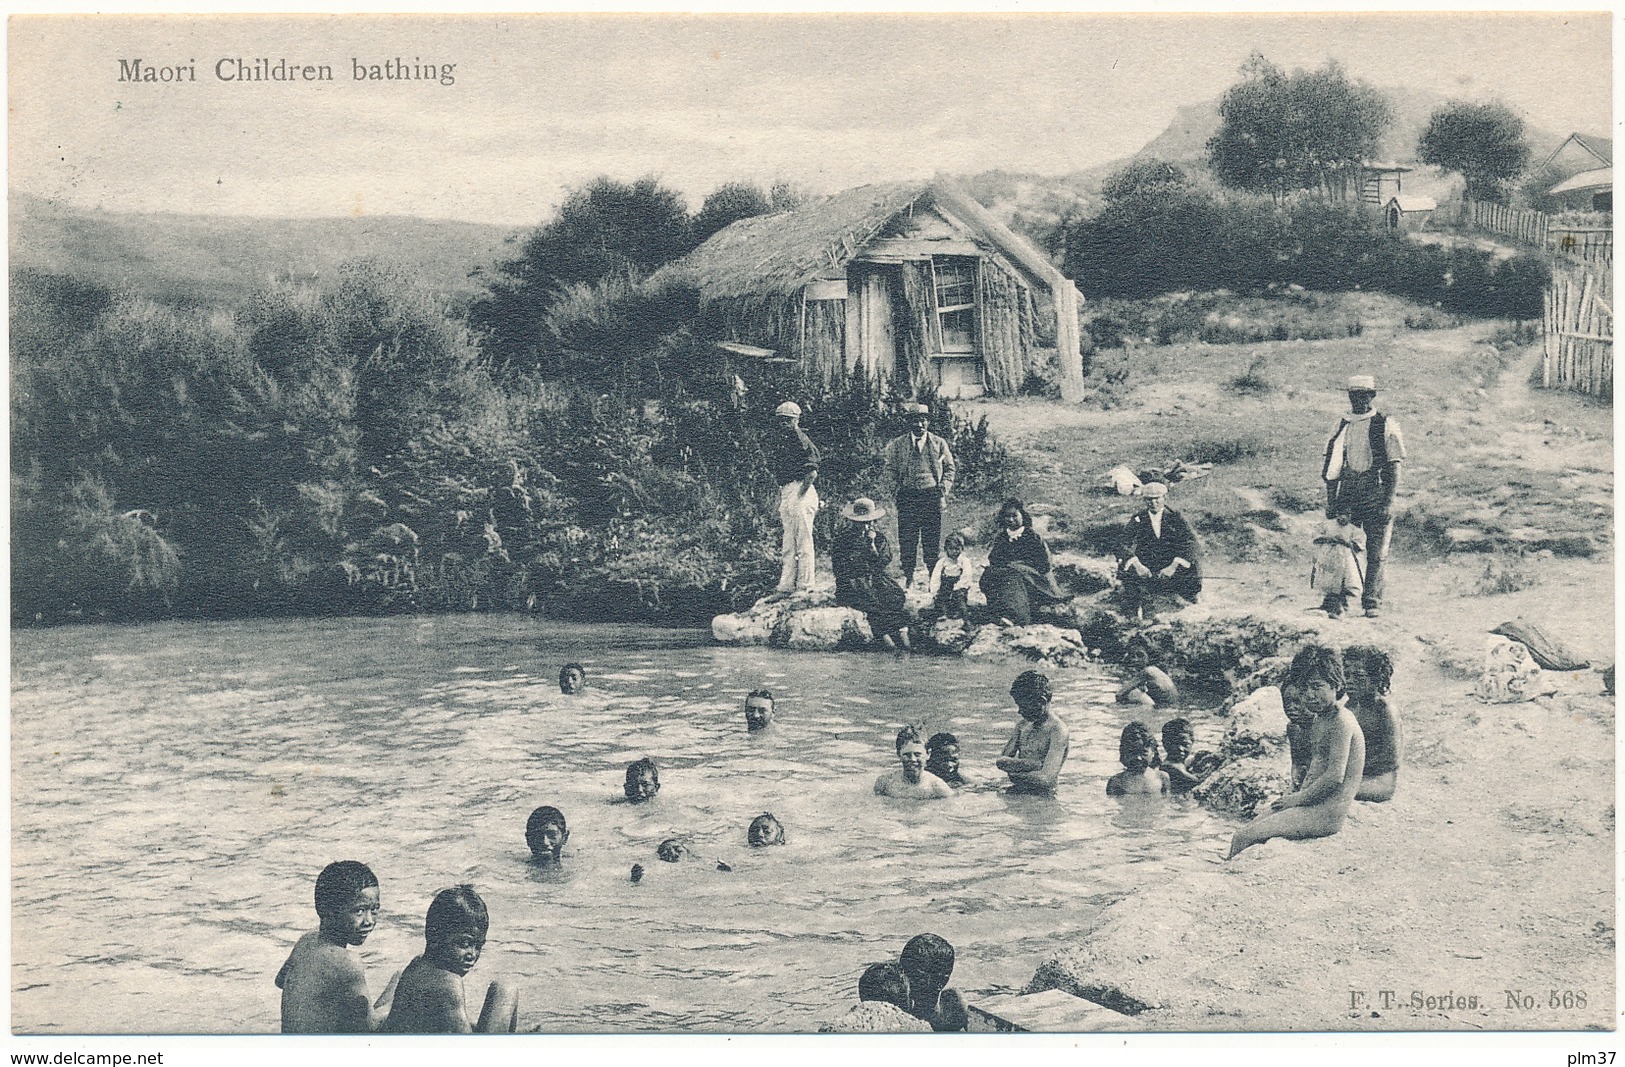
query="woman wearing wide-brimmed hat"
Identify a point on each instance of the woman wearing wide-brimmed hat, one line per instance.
(863, 578)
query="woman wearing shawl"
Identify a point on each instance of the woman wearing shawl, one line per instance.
(1018, 568)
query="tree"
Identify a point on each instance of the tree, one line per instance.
(726, 206)
(608, 228)
(1282, 133)
(1484, 143)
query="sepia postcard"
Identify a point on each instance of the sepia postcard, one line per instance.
(1082, 526)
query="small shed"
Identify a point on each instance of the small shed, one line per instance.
(1406, 213)
(914, 283)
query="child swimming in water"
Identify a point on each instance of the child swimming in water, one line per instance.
(429, 998)
(642, 780)
(764, 830)
(1336, 758)
(1148, 685)
(1137, 750)
(546, 833)
(1185, 769)
(572, 679)
(1367, 674)
(324, 988)
(942, 758)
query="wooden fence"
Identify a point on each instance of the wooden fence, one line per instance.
(1526, 226)
(1591, 244)
(1578, 330)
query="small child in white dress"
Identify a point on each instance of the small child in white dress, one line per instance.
(952, 579)
(1337, 573)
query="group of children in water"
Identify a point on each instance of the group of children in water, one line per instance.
(1342, 732)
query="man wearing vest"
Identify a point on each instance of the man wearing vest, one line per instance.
(794, 462)
(919, 474)
(1362, 472)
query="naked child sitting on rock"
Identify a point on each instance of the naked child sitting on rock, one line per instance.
(1336, 756)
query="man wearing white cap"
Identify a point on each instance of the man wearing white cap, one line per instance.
(794, 462)
(1362, 474)
(1159, 553)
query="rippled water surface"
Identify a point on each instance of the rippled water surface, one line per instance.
(176, 788)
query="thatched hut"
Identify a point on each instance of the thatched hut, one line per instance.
(913, 283)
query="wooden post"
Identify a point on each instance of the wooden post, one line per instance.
(1068, 348)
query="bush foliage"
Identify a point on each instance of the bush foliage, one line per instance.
(348, 449)
(1162, 232)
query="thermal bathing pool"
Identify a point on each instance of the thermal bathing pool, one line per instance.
(176, 787)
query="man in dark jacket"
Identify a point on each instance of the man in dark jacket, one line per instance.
(919, 474)
(1159, 554)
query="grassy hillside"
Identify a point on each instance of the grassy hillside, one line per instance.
(199, 259)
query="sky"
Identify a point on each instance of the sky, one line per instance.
(543, 103)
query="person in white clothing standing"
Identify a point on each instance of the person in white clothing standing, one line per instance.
(794, 462)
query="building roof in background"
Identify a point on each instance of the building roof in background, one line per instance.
(1588, 180)
(782, 253)
(1600, 147)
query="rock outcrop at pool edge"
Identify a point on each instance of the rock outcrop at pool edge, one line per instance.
(1257, 761)
(804, 621)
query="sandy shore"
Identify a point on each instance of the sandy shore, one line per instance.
(1487, 884)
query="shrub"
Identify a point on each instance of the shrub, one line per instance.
(1255, 381)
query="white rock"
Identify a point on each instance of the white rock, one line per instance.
(825, 629)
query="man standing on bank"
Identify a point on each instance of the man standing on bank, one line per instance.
(919, 474)
(794, 462)
(1362, 473)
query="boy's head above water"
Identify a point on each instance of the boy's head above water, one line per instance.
(758, 709)
(928, 961)
(642, 780)
(1032, 693)
(347, 901)
(1136, 749)
(572, 678)
(942, 752)
(671, 850)
(1177, 740)
(764, 830)
(455, 928)
(1314, 682)
(911, 753)
(546, 833)
(884, 982)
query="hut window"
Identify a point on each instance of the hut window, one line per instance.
(956, 302)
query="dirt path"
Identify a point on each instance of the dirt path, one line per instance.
(1487, 884)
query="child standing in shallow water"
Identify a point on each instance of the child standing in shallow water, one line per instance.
(1336, 756)
(429, 998)
(1337, 573)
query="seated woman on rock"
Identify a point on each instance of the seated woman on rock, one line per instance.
(1018, 568)
(863, 580)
